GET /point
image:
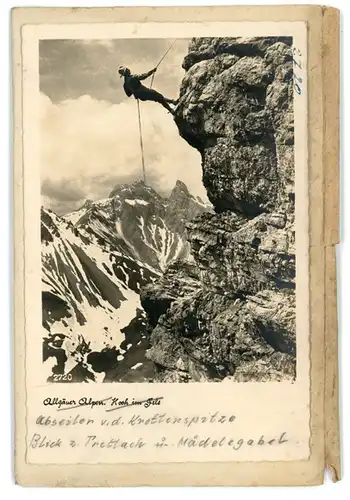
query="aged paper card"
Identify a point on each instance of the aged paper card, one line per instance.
(163, 248)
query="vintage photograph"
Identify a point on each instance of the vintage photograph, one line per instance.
(168, 208)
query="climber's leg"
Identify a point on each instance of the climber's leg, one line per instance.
(165, 104)
(145, 94)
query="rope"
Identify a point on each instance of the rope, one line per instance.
(141, 143)
(162, 59)
(139, 116)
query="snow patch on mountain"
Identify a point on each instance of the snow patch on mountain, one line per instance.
(136, 202)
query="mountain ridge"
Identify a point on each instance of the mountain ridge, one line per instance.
(95, 261)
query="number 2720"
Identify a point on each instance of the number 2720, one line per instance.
(66, 377)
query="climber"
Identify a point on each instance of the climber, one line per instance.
(133, 86)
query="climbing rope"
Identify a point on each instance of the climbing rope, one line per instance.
(139, 115)
(141, 142)
(162, 59)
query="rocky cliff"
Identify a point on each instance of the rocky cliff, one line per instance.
(231, 313)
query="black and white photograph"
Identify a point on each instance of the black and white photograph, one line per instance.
(176, 198)
(167, 209)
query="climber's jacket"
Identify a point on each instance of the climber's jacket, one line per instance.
(133, 86)
(132, 83)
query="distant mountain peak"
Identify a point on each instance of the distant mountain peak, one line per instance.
(87, 204)
(139, 188)
(180, 190)
(181, 186)
(139, 182)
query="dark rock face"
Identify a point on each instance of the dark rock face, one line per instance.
(236, 109)
(180, 279)
(235, 315)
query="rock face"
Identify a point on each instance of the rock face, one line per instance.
(94, 262)
(232, 312)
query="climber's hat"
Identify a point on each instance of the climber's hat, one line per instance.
(122, 70)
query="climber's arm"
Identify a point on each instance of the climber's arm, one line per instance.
(143, 76)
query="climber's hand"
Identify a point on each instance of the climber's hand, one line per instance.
(154, 70)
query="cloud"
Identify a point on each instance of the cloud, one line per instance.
(72, 68)
(88, 146)
(62, 190)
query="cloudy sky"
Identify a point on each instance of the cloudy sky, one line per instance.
(89, 127)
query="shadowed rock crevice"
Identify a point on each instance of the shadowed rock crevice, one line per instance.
(234, 316)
